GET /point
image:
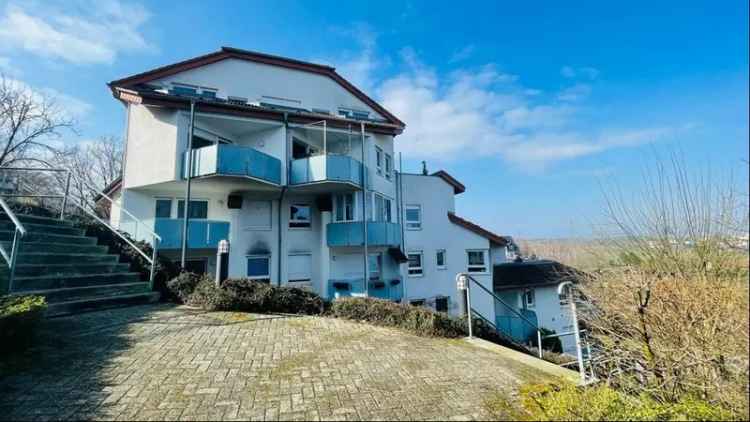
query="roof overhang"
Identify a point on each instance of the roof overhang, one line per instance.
(468, 225)
(157, 99)
(458, 187)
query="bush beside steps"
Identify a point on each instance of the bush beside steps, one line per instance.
(246, 295)
(20, 316)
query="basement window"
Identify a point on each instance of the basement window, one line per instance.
(259, 267)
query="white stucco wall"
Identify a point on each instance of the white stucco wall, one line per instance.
(151, 146)
(241, 78)
(436, 198)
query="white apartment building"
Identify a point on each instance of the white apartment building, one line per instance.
(294, 166)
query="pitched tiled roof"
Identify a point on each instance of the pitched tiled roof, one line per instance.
(515, 275)
(468, 225)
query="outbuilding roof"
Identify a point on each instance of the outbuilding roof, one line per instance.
(516, 275)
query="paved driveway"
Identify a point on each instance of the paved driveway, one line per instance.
(162, 362)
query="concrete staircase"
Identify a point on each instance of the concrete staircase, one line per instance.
(75, 274)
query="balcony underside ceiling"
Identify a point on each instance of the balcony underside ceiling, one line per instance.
(214, 185)
(324, 187)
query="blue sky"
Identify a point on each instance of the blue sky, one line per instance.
(531, 106)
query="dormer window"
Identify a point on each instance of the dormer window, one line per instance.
(208, 93)
(186, 90)
(354, 114)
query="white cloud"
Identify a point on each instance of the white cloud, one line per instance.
(462, 54)
(574, 93)
(80, 32)
(358, 68)
(68, 106)
(586, 72)
(6, 68)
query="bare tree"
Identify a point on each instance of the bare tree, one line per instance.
(93, 166)
(29, 121)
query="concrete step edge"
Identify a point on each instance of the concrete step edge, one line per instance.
(44, 277)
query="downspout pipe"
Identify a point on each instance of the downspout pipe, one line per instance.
(281, 196)
(189, 166)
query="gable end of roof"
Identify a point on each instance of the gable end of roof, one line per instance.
(230, 52)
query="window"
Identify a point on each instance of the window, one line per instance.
(344, 207)
(441, 304)
(415, 264)
(237, 100)
(259, 267)
(208, 93)
(163, 208)
(381, 208)
(375, 262)
(477, 261)
(187, 90)
(196, 265)
(440, 259)
(416, 302)
(379, 160)
(529, 298)
(256, 215)
(565, 296)
(299, 216)
(388, 166)
(299, 267)
(413, 217)
(198, 209)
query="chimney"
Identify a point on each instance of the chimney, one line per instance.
(424, 168)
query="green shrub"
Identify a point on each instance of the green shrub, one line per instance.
(19, 318)
(210, 297)
(600, 402)
(416, 319)
(241, 294)
(181, 287)
(253, 296)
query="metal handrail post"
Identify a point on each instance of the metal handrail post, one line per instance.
(65, 197)
(13, 256)
(468, 305)
(153, 265)
(576, 331)
(539, 341)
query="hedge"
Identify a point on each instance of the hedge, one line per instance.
(241, 294)
(20, 316)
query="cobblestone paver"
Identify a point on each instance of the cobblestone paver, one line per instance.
(161, 362)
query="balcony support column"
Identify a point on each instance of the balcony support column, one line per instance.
(189, 165)
(364, 212)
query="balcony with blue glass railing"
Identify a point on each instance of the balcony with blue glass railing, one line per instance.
(233, 160)
(351, 234)
(325, 168)
(202, 234)
(391, 289)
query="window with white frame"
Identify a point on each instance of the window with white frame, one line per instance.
(299, 216)
(413, 217)
(344, 207)
(163, 208)
(299, 267)
(259, 267)
(414, 266)
(375, 265)
(381, 208)
(529, 298)
(388, 166)
(379, 160)
(477, 261)
(440, 259)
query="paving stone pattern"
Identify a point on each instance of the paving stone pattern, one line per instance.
(161, 362)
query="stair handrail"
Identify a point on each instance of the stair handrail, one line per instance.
(511, 308)
(19, 232)
(69, 175)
